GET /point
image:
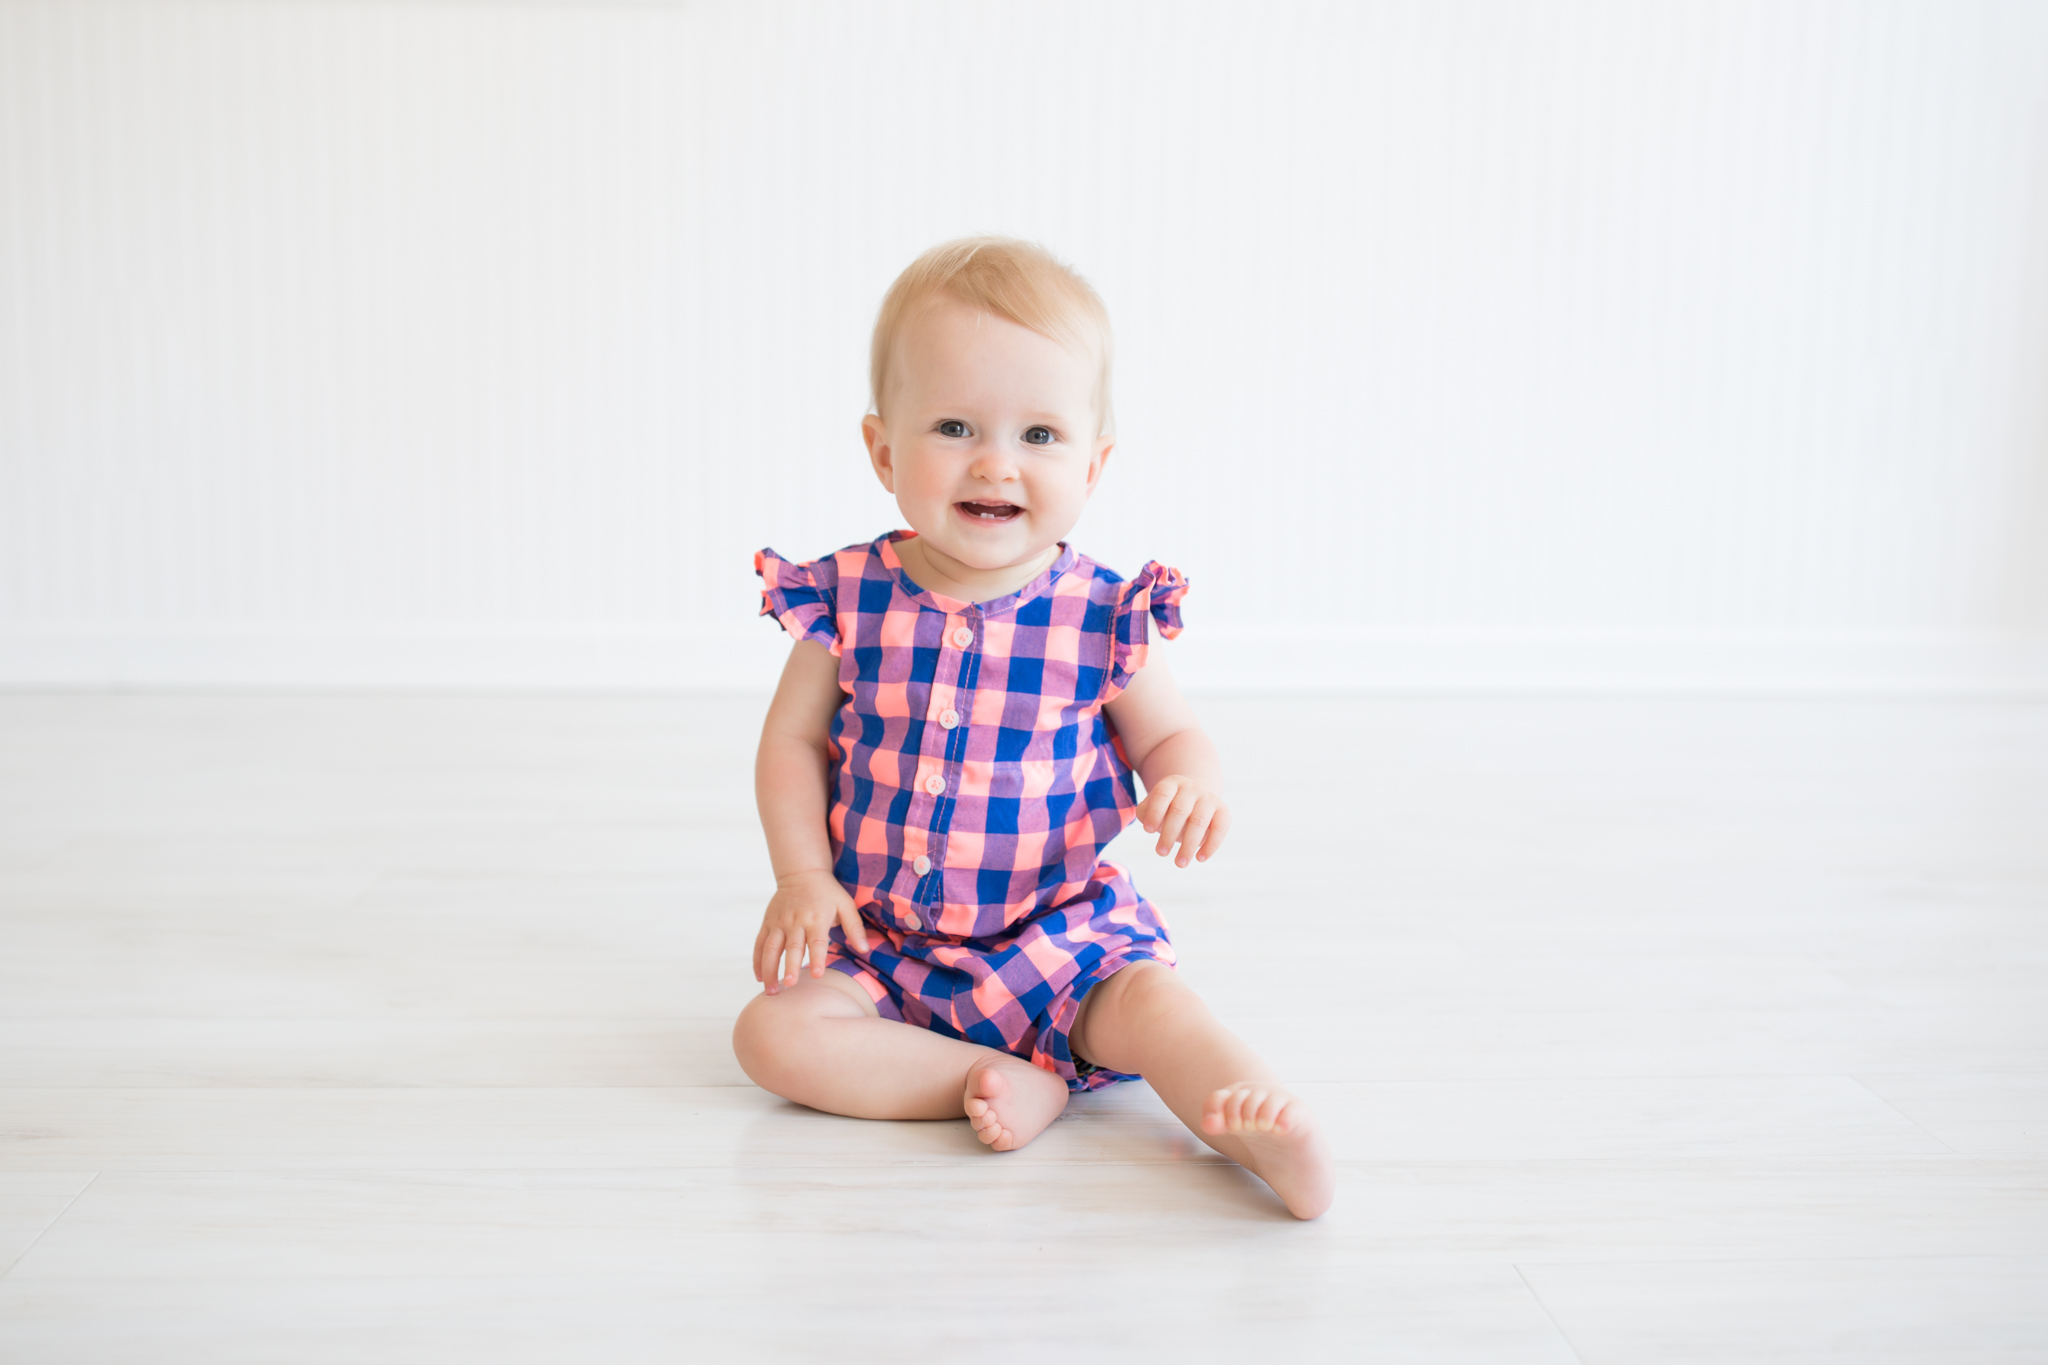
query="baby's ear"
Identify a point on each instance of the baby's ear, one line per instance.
(878, 450)
(1103, 445)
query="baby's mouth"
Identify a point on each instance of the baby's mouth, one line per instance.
(989, 511)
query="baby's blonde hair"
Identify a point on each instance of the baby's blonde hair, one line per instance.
(1019, 281)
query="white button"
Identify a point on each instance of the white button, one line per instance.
(911, 920)
(935, 784)
(948, 719)
(963, 637)
(923, 864)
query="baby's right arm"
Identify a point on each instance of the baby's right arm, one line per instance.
(792, 775)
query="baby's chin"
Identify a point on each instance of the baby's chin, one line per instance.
(988, 554)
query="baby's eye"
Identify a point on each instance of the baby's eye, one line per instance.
(1039, 436)
(953, 426)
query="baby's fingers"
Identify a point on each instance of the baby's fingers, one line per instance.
(1169, 830)
(766, 955)
(1152, 810)
(818, 944)
(1184, 802)
(1191, 835)
(856, 931)
(1219, 826)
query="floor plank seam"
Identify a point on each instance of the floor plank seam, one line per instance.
(1915, 1258)
(8, 1269)
(1872, 1091)
(1549, 1316)
(1051, 1165)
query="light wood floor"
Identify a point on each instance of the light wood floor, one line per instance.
(394, 1029)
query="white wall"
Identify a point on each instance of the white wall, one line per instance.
(419, 343)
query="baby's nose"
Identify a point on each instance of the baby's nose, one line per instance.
(993, 463)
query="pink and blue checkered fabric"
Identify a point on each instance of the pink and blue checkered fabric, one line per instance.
(975, 782)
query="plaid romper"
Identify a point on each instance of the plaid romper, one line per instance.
(975, 781)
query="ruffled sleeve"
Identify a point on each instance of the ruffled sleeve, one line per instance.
(800, 597)
(1152, 598)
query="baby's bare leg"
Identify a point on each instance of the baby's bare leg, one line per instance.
(1146, 1020)
(821, 1044)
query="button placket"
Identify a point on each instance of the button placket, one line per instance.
(933, 778)
(953, 676)
(924, 839)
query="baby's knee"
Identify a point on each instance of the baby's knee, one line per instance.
(766, 1040)
(1148, 993)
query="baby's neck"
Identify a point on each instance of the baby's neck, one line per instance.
(946, 576)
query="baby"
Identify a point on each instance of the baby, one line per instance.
(953, 742)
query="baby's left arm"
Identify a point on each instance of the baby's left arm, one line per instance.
(1183, 776)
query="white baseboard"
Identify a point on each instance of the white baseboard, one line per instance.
(1638, 661)
(530, 658)
(747, 655)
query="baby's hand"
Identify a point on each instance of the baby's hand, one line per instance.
(799, 915)
(1177, 809)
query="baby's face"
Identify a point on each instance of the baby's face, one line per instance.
(988, 437)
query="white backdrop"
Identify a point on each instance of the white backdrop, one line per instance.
(1471, 344)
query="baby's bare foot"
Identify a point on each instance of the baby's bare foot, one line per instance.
(1009, 1101)
(1286, 1148)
